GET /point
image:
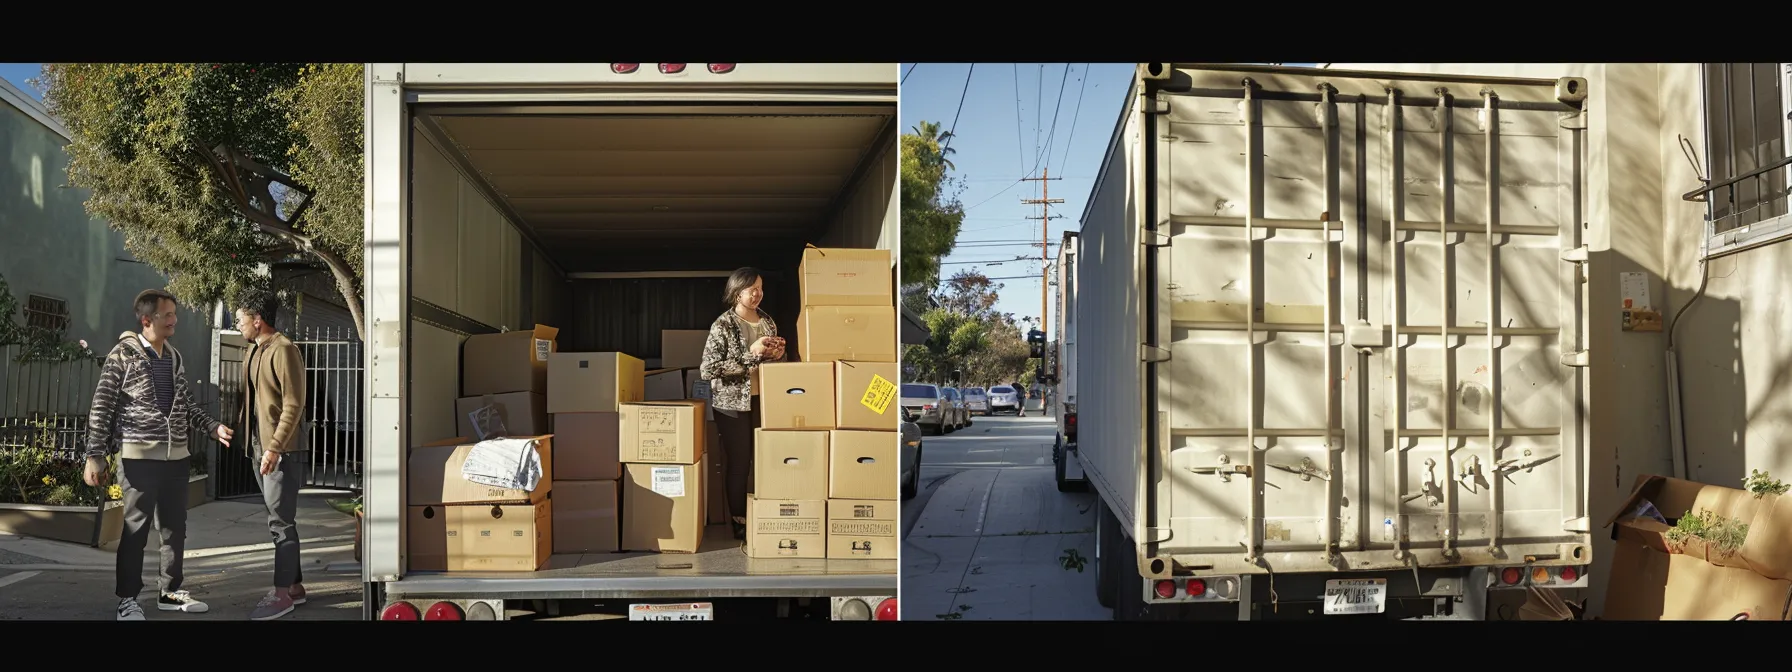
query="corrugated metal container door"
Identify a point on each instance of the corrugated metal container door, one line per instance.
(1330, 385)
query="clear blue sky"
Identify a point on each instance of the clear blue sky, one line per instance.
(17, 73)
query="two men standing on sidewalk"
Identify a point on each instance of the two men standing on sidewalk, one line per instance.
(144, 406)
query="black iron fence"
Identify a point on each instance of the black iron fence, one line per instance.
(46, 404)
(334, 375)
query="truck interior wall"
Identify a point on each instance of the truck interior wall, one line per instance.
(868, 216)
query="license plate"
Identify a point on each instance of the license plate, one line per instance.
(1355, 596)
(700, 611)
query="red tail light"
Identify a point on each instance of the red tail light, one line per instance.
(886, 610)
(442, 611)
(1569, 575)
(671, 68)
(1511, 576)
(1197, 587)
(1166, 589)
(927, 407)
(624, 68)
(1070, 424)
(400, 611)
(721, 68)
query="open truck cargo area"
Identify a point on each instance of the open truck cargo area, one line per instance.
(609, 203)
(1343, 341)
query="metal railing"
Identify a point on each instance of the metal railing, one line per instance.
(334, 375)
(55, 397)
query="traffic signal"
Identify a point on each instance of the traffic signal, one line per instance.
(1036, 341)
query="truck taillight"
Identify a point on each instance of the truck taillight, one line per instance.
(886, 610)
(722, 69)
(1166, 589)
(624, 68)
(1569, 574)
(442, 611)
(1197, 587)
(1070, 424)
(671, 68)
(400, 611)
(1511, 576)
(926, 407)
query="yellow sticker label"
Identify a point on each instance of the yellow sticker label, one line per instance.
(878, 394)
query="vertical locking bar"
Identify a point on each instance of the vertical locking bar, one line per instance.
(1253, 129)
(1328, 121)
(1397, 404)
(1446, 183)
(1490, 103)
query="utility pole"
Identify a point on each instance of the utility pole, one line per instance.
(1045, 216)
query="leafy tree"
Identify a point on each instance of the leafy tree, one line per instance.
(930, 215)
(143, 140)
(968, 337)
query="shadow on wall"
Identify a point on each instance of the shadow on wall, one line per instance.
(1720, 409)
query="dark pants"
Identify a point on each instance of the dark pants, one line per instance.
(737, 443)
(153, 490)
(280, 491)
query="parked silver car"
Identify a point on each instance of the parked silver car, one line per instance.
(1003, 399)
(976, 401)
(930, 407)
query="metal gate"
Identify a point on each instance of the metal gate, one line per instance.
(333, 386)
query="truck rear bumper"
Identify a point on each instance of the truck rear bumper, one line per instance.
(526, 587)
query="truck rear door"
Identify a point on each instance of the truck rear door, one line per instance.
(1341, 250)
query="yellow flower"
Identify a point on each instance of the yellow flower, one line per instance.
(114, 492)
(49, 480)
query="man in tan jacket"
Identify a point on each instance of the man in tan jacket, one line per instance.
(273, 413)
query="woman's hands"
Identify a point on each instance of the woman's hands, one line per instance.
(768, 347)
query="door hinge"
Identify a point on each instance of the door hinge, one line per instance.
(1574, 122)
(1578, 359)
(1153, 238)
(1158, 106)
(1581, 525)
(1576, 255)
(1151, 354)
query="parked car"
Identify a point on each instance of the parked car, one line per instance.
(927, 403)
(959, 417)
(1003, 399)
(911, 456)
(976, 401)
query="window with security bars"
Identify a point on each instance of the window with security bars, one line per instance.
(1748, 172)
(49, 314)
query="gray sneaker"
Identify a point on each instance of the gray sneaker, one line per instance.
(129, 610)
(271, 607)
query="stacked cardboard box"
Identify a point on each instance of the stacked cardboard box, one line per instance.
(826, 454)
(458, 525)
(587, 395)
(664, 496)
(681, 357)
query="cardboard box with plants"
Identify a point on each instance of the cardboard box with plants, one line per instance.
(1693, 551)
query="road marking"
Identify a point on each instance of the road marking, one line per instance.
(266, 546)
(15, 578)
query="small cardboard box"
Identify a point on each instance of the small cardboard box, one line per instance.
(789, 464)
(585, 517)
(1655, 577)
(662, 432)
(663, 507)
(523, 413)
(846, 277)
(862, 529)
(434, 475)
(480, 538)
(850, 333)
(682, 348)
(594, 382)
(865, 396)
(862, 465)
(786, 528)
(797, 395)
(514, 361)
(588, 446)
(665, 385)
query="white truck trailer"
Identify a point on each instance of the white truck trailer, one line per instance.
(1066, 463)
(609, 200)
(1290, 406)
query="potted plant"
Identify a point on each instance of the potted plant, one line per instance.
(354, 508)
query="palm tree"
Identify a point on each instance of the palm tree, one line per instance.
(930, 135)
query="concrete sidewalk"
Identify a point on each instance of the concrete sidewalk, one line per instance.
(229, 565)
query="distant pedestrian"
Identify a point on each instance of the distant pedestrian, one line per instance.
(143, 404)
(273, 409)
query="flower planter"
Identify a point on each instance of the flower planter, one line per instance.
(87, 525)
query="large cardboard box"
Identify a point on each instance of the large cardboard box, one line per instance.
(796, 395)
(588, 446)
(786, 528)
(862, 529)
(865, 395)
(1656, 577)
(846, 277)
(862, 465)
(480, 538)
(662, 432)
(434, 475)
(663, 507)
(514, 361)
(522, 413)
(594, 382)
(665, 385)
(851, 333)
(682, 348)
(790, 464)
(585, 517)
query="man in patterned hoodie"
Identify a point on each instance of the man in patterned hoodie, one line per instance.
(143, 406)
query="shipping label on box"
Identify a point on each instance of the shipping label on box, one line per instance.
(862, 464)
(862, 529)
(513, 361)
(865, 395)
(797, 395)
(846, 277)
(663, 432)
(849, 333)
(594, 382)
(785, 528)
(790, 464)
(435, 476)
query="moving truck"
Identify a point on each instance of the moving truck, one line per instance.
(1066, 464)
(1290, 406)
(607, 202)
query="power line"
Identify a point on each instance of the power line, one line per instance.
(1020, 149)
(911, 70)
(961, 94)
(1077, 114)
(1057, 108)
